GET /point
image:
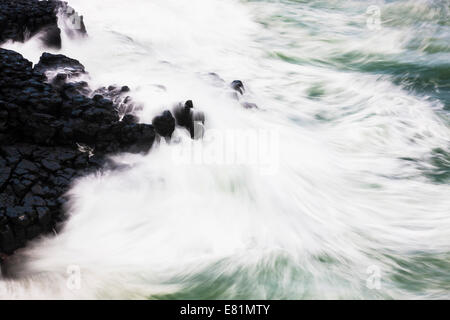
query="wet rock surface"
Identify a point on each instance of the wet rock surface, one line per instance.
(22, 19)
(119, 96)
(52, 62)
(164, 124)
(54, 128)
(52, 132)
(238, 86)
(189, 119)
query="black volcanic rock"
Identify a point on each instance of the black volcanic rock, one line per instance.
(50, 62)
(186, 117)
(249, 105)
(74, 23)
(238, 86)
(51, 133)
(119, 96)
(52, 37)
(164, 124)
(22, 19)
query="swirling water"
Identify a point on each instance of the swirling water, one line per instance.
(358, 189)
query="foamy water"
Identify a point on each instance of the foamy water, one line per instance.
(341, 191)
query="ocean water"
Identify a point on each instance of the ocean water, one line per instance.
(336, 187)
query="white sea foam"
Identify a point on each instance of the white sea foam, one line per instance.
(340, 200)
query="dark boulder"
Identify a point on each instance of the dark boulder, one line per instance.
(249, 105)
(164, 124)
(186, 117)
(238, 86)
(51, 62)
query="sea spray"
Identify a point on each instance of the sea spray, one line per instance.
(347, 197)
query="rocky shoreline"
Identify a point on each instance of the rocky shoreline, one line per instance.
(51, 133)
(23, 19)
(55, 128)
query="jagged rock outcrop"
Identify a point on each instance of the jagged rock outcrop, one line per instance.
(54, 127)
(23, 19)
(50, 133)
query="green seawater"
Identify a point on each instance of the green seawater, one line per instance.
(358, 206)
(411, 50)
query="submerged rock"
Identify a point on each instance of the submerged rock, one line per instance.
(249, 105)
(238, 86)
(187, 118)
